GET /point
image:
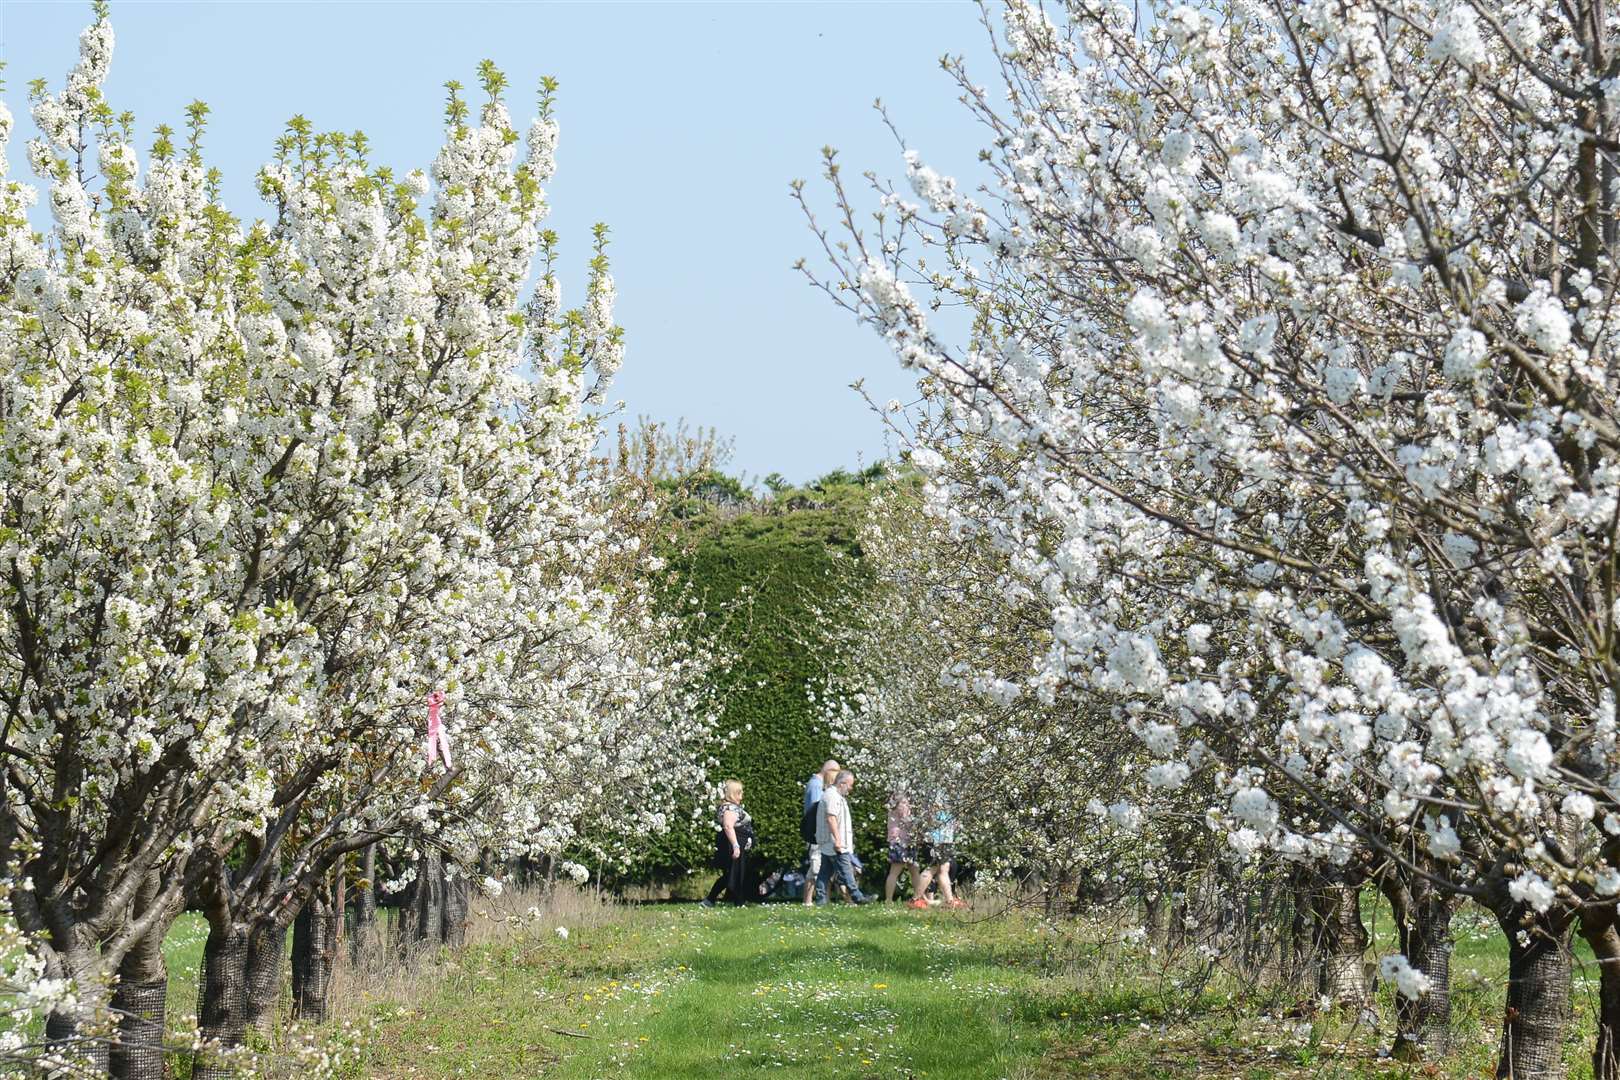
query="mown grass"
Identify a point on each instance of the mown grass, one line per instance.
(684, 992)
(672, 991)
(880, 993)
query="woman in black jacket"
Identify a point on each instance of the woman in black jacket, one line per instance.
(733, 846)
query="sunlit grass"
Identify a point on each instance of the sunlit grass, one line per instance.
(887, 992)
(679, 991)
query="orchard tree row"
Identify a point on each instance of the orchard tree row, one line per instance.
(306, 568)
(1267, 425)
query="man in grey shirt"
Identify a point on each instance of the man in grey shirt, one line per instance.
(835, 836)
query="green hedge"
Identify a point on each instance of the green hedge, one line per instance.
(760, 575)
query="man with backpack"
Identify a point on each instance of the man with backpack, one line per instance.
(813, 788)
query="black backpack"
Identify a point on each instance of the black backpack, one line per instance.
(807, 827)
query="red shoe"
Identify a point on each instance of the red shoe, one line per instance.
(919, 903)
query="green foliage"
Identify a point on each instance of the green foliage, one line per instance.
(696, 496)
(763, 571)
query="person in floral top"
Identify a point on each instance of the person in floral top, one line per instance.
(902, 844)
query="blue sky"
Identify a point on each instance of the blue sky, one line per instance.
(682, 125)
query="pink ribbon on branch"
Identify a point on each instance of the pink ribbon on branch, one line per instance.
(438, 739)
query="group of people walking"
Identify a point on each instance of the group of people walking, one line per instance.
(922, 844)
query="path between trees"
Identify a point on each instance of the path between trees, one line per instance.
(676, 992)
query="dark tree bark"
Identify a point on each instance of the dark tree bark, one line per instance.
(1423, 920)
(457, 901)
(1153, 917)
(365, 902)
(1430, 953)
(1599, 929)
(222, 1008)
(314, 951)
(1341, 941)
(142, 1007)
(340, 900)
(1176, 932)
(421, 917)
(265, 890)
(140, 998)
(69, 1033)
(1301, 958)
(267, 947)
(241, 970)
(365, 893)
(1537, 1011)
(1262, 934)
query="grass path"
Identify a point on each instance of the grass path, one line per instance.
(676, 991)
(779, 991)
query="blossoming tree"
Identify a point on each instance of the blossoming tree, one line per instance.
(1295, 321)
(264, 488)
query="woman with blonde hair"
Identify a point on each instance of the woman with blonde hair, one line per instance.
(733, 844)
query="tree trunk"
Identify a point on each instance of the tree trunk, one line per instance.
(1427, 1033)
(71, 1031)
(1300, 953)
(365, 891)
(222, 997)
(1341, 943)
(314, 949)
(1262, 944)
(1231, 902)
(1423, 920)
(140, 998)
(422, 915)
(457, 900)
(140, 1001)
(142, 1006)
(267, 948)
(340, 900)
(1599, 930)
(1538, 996)
(1153, 917)
(1175, 935)
(365, 903)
